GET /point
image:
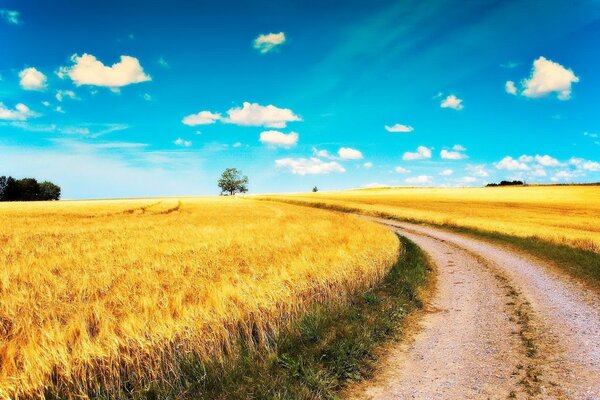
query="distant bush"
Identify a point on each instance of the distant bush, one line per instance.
(27, 189)
(506, 183)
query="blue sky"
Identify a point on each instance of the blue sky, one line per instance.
(148, 98)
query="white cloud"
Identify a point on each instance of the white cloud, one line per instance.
(237, 144)
(547, 161)
(20, 113)
(323, 154)
(269, 42)
(579, 167)
(309, 166)
(401, 170)
(590, 134)
(32, 79)
(452, 155)
(585, 165)
(458, 147)
(422, 152)
(538, 171)
(510, 87)
(375, 185)
(563, 176)
(253, 114)
(549, 77)
(368, 165)
(467, 179)
(147, 96)
(279, 139)
(418, 180)
(511, 164)
(201, 118)
(183, 143)
(399, 128)
(11, 16)
(477, 170)
(87, 70)
(446, 172)
(347, 153)
(525, 158)
(452, 101)
(64, 94)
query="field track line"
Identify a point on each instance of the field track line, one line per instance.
(499, 326)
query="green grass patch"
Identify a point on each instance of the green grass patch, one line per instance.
(581, 264)
(319, 353)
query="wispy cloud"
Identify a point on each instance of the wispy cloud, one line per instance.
(477, 170)
(65, 94)
(11, 16)
(90, 130)
(183, 143)
(419, 180)
(163, 63)
(110, 169)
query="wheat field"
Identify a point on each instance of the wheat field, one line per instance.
(561, 214)
(97, 293)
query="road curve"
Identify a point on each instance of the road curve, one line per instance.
(500, 325)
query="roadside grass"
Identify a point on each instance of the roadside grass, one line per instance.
(317, 355)
(581, 264)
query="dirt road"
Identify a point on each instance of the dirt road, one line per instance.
(499, 326)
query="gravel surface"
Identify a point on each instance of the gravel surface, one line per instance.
(499, 325)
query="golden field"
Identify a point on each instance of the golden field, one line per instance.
(563, 214)
(93, 293)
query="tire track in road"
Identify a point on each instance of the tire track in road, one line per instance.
(499, 326)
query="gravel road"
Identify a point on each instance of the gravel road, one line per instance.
(500, 325)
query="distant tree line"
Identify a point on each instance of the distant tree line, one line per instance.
(506, 183)
(27, 189)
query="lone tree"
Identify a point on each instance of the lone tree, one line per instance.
(232, 181)
(315, 189)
